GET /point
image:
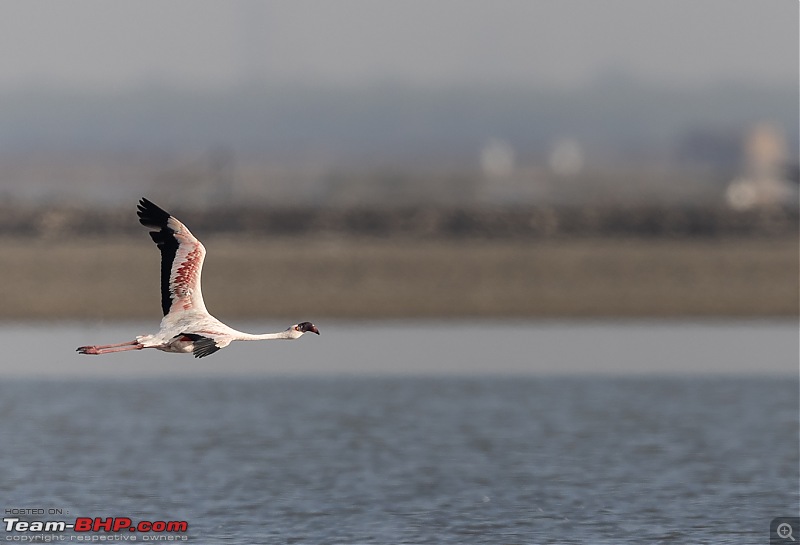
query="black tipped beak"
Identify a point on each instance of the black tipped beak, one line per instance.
(307, 327)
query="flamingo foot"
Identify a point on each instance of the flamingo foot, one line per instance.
(109, 348)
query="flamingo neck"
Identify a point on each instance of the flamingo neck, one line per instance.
(266, 336)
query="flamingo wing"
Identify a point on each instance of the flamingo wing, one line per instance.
(182, 258)
(203, 346)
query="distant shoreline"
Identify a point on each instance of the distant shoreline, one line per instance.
(253, 277)
(415, 222)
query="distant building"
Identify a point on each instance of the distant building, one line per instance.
(763, 182)
(497, 159)
(500, 178)
(566, 158)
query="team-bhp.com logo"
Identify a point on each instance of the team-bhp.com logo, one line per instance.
(87, 528)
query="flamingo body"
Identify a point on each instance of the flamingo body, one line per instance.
(186, 327)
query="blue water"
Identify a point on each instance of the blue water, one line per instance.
(416, 459)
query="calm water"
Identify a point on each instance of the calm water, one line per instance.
(409, 459)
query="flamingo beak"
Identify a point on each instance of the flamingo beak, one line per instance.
(307, 327)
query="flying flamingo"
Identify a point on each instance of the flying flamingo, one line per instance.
(187, 326)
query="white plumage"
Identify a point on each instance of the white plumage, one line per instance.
(187, 326)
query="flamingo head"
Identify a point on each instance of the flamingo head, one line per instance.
(303, 327)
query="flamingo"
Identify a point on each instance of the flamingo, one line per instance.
(187, 327)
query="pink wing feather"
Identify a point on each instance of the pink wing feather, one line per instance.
(182, 258)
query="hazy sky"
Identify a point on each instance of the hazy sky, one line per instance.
(129, 43)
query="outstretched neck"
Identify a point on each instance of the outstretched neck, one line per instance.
(288, 334)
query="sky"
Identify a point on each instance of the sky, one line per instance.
(101, 45)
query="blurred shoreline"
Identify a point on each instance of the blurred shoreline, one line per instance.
(430, 222)
(71, 263)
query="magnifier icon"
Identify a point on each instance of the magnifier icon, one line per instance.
(784, 531)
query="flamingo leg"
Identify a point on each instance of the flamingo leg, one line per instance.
(109, 348)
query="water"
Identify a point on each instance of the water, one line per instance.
(509, 347)
(387, 459)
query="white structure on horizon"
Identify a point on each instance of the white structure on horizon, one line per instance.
(763, 182)
(498, 159)
(566, 158)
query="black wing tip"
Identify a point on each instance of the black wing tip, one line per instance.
(144, 202)
(203, 346)
(202, 352)
(151, 215)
